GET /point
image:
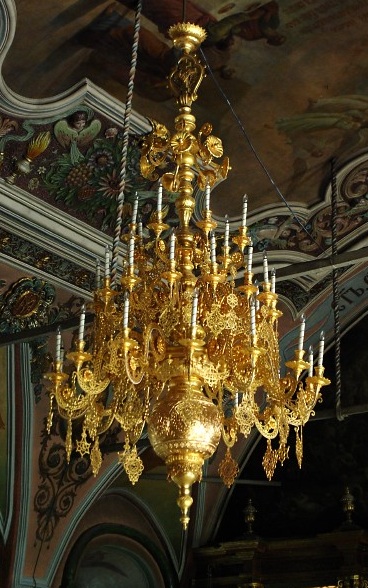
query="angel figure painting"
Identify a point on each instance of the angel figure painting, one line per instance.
(75, 131)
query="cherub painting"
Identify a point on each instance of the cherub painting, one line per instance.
(75, 131)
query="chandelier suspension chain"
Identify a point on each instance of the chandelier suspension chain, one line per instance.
(258, 158)
(184, 19)
(335, 292)
(124, 151)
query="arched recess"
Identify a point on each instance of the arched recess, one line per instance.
(109, 555)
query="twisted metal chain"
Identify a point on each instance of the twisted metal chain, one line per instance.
(125, 143)
(335, 292)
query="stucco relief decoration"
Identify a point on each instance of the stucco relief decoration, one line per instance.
(25, 305)
(354, 187)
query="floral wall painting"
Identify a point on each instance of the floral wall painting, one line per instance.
(74, 162)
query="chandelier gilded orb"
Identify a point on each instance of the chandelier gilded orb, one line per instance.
(179, 346)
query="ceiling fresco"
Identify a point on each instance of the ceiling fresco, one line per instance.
(291, 71)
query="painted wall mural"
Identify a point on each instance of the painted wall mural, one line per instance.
(73, 163)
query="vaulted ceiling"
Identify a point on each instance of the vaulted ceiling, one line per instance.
(287, 93)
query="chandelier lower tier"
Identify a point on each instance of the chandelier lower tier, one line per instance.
(179, 345)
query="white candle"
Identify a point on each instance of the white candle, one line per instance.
(172, 247)
(257, 301)
(213, 248)
(245, 210)
(236, 400)
(135, 210)
(273, 280)
(140, 229)
(265, 268)
(82, 323)
(250, 258)
(310, 359)
(321, 349)
(159, 198)
(207, 197)
(126, 310)
(252, 317)
(194, 308)
(131, 250)
(62, 352)
(227, 231)
(301, 332)
(98, 273)
(107, 261)
(58, 345)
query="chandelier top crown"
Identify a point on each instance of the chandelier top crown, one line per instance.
(187, 36)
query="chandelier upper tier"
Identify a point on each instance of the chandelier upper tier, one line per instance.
(177, 343)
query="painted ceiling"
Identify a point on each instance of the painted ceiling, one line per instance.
(288, 83)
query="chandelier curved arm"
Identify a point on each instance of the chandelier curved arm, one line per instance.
(269, 430)
(66, 413)
(209, 145)
(284, 391)
(229, 431)
(89, 383)
(268, 422)
(302, 408)
(134, 366)
(69, 400)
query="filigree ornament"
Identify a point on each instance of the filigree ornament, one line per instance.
(82, 445)
(245, 415)
(228, 469)
(96, 458)
(269, 461)
(155, 146)
(216, 319)
(282, 453)
(131, 463)
(130, 413)
(299, 445)
(185, 79)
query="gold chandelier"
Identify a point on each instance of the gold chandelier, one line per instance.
(179, 345)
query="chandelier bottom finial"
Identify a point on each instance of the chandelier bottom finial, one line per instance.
(184, 430)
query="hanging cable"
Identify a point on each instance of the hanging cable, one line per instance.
(335, 292)
(124, 150)
(258, 158)
(184, 18)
